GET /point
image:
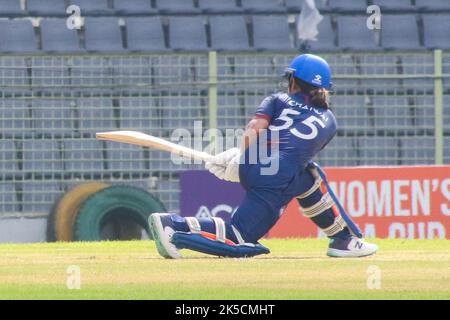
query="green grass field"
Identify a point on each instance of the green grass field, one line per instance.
(296, 269)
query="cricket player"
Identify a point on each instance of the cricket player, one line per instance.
(299, 124)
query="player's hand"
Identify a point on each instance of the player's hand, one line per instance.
(232, 169)
(225, 157)
(225, 165)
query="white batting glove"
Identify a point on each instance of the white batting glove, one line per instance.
(222, 167)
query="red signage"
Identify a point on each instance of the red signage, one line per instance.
(386, 202)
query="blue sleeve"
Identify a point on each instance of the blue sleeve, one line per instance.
(267, 108)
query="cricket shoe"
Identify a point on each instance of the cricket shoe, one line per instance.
(350, 247)
(162, 229)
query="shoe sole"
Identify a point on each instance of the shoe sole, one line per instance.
(156, 229)
(334, 253)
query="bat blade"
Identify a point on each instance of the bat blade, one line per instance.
(146, 140)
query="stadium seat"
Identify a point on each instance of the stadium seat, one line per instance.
(187, 33)
(48, 72)
(17, 36)
(41, 157)
(271, 32)
(378, 150)
(145, 34)
(11, 8)
(92, 73)
(14, 117)
(267, 6)
(139, 113)
(433, 5)
(102, 34)
(392, 113)
(55, 116)
(351, 113)
(83, 155)
(341, 151)
(417, 150)
(296, 5)
(56, 37)
(223, 6)
(325, 38)
(354, 35)
(14, 73)
(423, 112)
(126, 7)
(229, 33)
(8, 198)
(46, 8)
(8, 159)
(230, 112)
(397, 5)
(89, 7)
(120, 157)
(348, 6)
(95, 114)
(436, 31)
(399, 32)
(176, 6)
(39, 196)
(180, 111)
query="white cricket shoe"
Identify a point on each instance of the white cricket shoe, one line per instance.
(351, 247)
(162, 229)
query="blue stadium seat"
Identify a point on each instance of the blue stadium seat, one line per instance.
(17, 36)
(83, 155)
(181, 111)
(214, 6)
(39, 196)
(433, 5)
(95, 73)
(423, 112)
(139, 113)
(437, 31)
(47, 7)
(41, 157)
(102, 34)
(392, 113)
(49, 72)
(8, 198)
(397, 5)
(56, 37)
(417, 150)
(354, 35)
(229, 112)
(176, 6)
(145, 34)
(271, 32)
(187, 33)
(125, 7)
(378, 150)
(351, 112)
(8, 159)
(122, 157)
(11, 8)
(229, 33)
(348, 6)
(95, 114)
(55, 116)
(325, 38)
(14, 117)
(267, 6)
(14, 74)
(89, 7)
(341, 151)
(399, 32)
(296, 5)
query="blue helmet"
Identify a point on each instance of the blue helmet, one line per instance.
(312, 69)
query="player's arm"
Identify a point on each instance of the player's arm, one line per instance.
(253, 129)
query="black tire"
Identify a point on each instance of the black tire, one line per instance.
(111, 206)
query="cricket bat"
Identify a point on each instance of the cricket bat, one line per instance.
(146, 140)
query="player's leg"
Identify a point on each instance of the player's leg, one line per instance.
(318, 205)
(207, 235)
